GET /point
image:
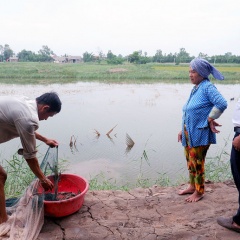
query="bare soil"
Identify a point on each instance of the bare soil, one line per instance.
(157, 213)
(117, 70)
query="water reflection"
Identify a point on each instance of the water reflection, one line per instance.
(129, 143)
(97, 122)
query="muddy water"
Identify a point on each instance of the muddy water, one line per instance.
(149, 114)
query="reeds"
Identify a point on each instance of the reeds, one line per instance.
(19, 175)
(217, 169)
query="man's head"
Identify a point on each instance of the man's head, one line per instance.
(48, 105)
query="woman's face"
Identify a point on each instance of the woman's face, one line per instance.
(194, 76)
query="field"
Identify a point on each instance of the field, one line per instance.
(48, 73)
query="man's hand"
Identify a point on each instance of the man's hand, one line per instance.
(213, 125)
(236, 143)
(34, 166)
(52, 143)
(46, 184)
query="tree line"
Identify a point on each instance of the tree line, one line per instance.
(45, 54)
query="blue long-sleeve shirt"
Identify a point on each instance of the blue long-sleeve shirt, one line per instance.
(196, 111)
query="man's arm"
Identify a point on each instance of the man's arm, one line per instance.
(49, 142)
(34, 166)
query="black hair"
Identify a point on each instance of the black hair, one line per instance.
(52, 100)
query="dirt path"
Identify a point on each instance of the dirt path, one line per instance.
(150, 214)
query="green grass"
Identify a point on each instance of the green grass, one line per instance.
(50, 73)
(19, 175)
(217, 169)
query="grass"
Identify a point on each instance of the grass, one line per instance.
(19, 175)
(51, 73)
(217, 169)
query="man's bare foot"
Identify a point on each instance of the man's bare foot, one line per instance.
(189, 190)
(228, 223)
(235, 225)
(195, 197)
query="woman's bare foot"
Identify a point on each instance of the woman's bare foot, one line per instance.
(195, 197)
(189, 190)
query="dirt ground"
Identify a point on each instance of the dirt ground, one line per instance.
(157, 213)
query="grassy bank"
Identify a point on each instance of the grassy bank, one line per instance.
(217, 169)
(49, 73)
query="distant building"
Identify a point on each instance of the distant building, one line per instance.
(67, 59)
(74, 59)
(13, 59)
(59, 59)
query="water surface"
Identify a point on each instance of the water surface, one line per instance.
(149, 113)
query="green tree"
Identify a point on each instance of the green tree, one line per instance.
(229, 57)
(110, 55)
(88, 57)
(158, 57)
(171, 58)
(1, 53)
(136, 57)
(27, 56)
(183, 56)
(113, 59)
(203, 55)
(45, 51)
(101, 56)
(44, 54)
(7, 52)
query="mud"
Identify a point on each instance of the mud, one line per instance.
(157, 213)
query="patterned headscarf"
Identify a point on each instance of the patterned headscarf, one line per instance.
(204, 68)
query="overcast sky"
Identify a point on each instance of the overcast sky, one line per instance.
(75, 26)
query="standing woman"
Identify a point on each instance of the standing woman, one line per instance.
(204, 105)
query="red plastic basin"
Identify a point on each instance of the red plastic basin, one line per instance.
(67, 183)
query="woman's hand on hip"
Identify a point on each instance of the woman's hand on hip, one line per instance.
(180, 136)
(213, 124)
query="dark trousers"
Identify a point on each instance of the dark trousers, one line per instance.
(235, 167)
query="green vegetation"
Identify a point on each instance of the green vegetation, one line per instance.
(50, 73)
(138, 57)
(217, 169)
(20, 176)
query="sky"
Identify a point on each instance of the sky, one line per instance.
(73, 27)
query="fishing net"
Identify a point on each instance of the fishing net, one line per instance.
(26, 213)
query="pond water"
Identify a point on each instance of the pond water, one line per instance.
(149, 113)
